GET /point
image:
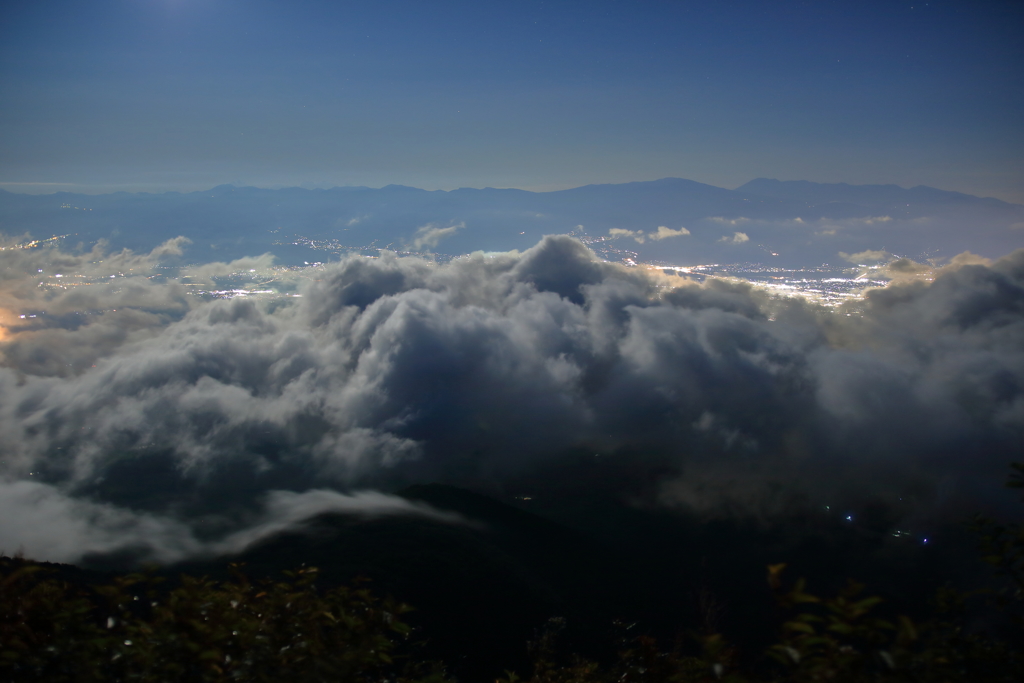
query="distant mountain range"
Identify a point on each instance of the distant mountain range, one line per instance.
(670, 220)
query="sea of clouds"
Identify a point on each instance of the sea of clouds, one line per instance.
(177, 427)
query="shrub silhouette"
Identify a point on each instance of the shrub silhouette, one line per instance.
(135, 629)
(138, 627)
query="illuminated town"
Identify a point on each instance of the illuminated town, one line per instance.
(826, 285)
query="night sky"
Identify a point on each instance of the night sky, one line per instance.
(156, 95)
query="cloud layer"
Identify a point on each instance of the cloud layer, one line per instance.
(173, 419)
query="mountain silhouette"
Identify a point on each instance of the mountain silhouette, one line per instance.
(796, 222)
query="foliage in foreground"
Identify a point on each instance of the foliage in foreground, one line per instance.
(136, 629)
(837, 640)
(201, 630)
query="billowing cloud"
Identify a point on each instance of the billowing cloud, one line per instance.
(39, 520)
(905, 268)
(207, 273)
(721, 220)
(637, 235)
(902, 269)
(969, 259)
(737, 238)
(64, 311)
(664, 231)
(428, 236)
(496, 368)
(868, 255)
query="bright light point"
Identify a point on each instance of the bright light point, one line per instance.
(849, 518)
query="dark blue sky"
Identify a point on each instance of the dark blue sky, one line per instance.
(101, 95)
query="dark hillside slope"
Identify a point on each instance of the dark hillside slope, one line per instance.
(480, 589)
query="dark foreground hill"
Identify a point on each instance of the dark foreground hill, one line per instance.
(480, 589)
(485, 586)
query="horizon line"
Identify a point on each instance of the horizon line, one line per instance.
(277, 187)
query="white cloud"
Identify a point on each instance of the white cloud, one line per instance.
(664, 232)
(637, 235)
(41, 521)
(430, 234)
(287, 510)
(391, 371)
(867, 255)
(737, 238)
(721, 220)
(826, 223)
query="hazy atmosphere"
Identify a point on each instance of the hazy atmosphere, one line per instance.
(147, 393)
(155, 95)
(715, 284)
(151, 411)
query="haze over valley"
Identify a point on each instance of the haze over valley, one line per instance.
(522, 311)
(671, 221)
(483, 368)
